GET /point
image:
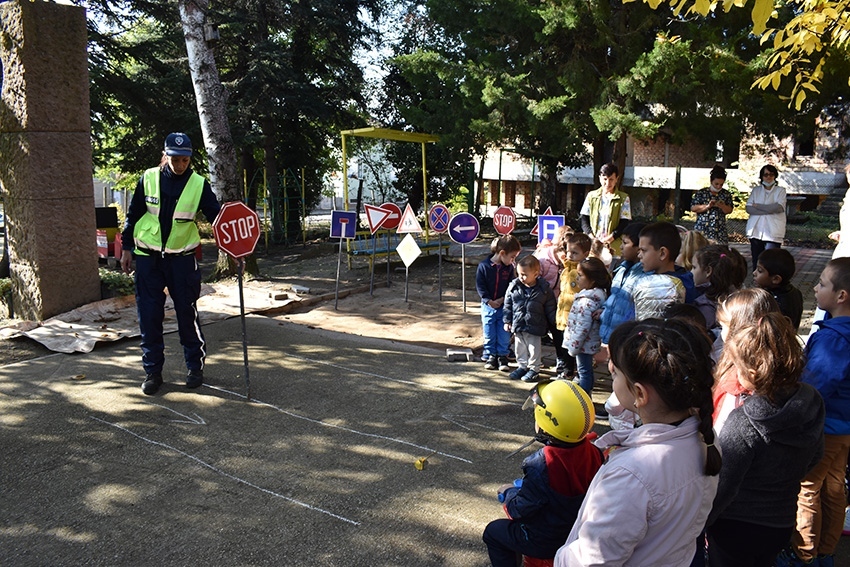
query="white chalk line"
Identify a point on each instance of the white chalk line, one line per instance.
(228, 475)
(340, 427)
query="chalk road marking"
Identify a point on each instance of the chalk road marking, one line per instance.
(453, 418)
(228, 475)
(197, 420)
(341, 428)
(399, 380)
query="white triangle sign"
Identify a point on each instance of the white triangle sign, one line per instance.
(376, 216)
(408, 222)
(534, 230)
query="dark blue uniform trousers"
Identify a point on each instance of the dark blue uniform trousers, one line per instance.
(182, 276)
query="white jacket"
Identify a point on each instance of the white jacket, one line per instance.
(648, 502)
(767, 214)
(653, 292)
(582, 333)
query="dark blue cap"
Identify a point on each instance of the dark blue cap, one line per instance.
(178, 144)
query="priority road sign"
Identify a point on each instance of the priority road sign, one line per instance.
(343, 224)
(504, 220)
(236, 229)
(394, 218)
(547, 225)
(464, 228)
(438, 218)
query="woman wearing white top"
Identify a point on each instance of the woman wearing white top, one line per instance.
(766, 207)
(841, 236)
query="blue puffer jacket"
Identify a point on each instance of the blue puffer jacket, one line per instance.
(620, 305)
(828, 370)
(530, 309)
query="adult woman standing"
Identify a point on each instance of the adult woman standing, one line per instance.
(841, 236)
(711, 205)
(161, 233)
(766, 206)
(606, 211)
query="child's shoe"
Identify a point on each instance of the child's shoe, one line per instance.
(825, 561)
(518, 373)
(503, 364)
(531, 376)
(788, 558)
(491, 363)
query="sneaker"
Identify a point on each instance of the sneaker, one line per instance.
(788, 558)
(531, 376)
(602, 412)
(846, 530)
(826, 561)
(194, 378)
(518, 373)
(152, 383)
(503, 364)
(491, 363)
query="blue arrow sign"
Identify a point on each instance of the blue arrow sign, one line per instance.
(547, 225)
(463, 228)
(343, 224)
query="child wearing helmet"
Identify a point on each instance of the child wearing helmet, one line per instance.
(650, 501)
(542, 506)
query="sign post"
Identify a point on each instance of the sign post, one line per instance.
(463, 229)
(438, 220)
(376, 217)
(390, 223)
(343, 225)
(407, 249)
(237, 230)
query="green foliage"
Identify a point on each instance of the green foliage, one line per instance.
(116, 281)
(5, 286)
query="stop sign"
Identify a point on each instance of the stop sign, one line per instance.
(236, 229)
(504, 220)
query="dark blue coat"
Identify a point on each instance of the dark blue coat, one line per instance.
(530, 309)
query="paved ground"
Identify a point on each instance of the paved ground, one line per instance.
(317, 469)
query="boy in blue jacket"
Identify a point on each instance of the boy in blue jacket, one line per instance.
(542, 506)
(620, 305)
(821, 502)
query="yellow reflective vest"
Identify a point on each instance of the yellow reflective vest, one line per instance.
(184, 232)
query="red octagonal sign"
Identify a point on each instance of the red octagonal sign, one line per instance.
(504, 220)
(236, 229)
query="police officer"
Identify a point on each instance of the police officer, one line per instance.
(161, 233)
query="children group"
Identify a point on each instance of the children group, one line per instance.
(729, 438)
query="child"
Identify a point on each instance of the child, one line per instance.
(578, 248)
(491, 280)
(553, 256)
(720, 270)
(739, 308)
(582, 337)
(529, 312)
(620, 305)
(692, 241)
(821, 502)
(768, 445)
(659, 244)
(542, 506)
(650, 500)
(773, 272)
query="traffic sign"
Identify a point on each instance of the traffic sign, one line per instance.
(534, 228)
(464, 228)
(504, 220)
(408, 250)
(438, 218)
(376, 217)
(394, 218)
(408, 222)
(236, 229)
(547, 225)
(343, 224)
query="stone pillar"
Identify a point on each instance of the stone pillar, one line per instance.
(46, 158)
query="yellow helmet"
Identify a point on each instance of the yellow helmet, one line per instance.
(562, 409)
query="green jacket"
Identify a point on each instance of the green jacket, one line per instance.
(184, 232)
(617, 200)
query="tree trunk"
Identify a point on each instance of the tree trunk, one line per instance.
(548, 189)
(480, 192)
(211, 100)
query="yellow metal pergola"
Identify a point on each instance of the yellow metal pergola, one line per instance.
(387, 134)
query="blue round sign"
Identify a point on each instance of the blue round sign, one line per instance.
(438, 218)
(464, 228)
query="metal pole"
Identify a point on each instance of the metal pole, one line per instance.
(406, 281)
(303, 211)
(338, 260)
(372, 265)
(463, 274)
(440, 265)
(241, 265)
(388, 258)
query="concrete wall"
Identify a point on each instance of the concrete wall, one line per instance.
(46, 157)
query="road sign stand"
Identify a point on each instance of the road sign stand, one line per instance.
(463, 274)
(440, 266)
(338, 262)
(239, 274)
(388, 259)
(343, 226)
(438, 219)
(372, 265)
(463, 229)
